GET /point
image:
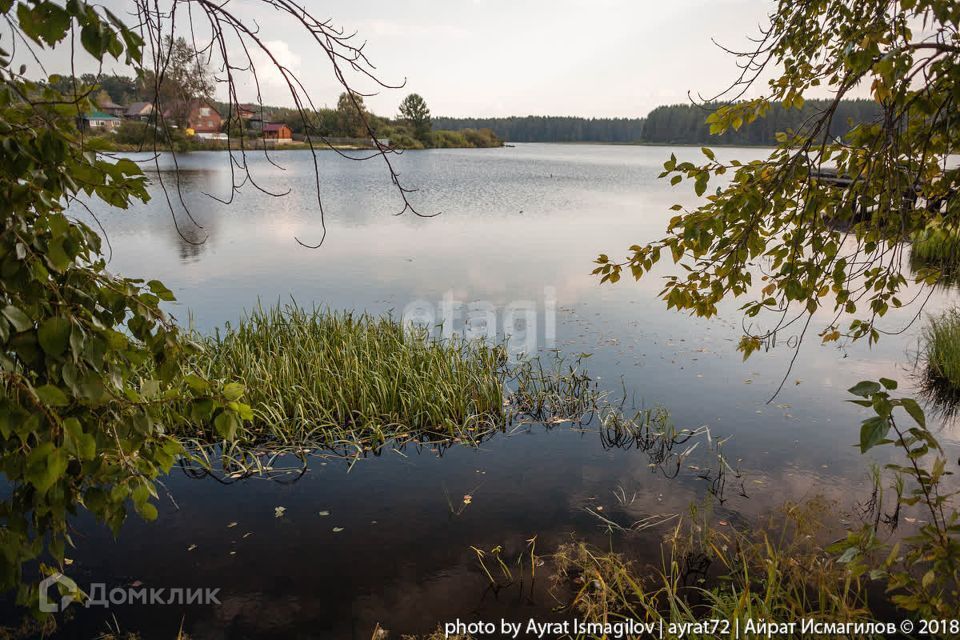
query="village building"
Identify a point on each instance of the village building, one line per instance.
(99, 121)
(277, 132)
(205, 120)
(141, 111)
(107, 105)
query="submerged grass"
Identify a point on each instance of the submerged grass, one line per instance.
(316, 375)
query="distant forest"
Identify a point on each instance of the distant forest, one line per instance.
(685, 123)
(550, 128)
(673, 124)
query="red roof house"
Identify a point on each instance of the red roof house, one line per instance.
(277, 131)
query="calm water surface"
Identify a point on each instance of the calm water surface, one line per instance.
(517, 224)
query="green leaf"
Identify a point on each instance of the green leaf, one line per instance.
(226, 424)
(147, 511)
(44, 466)
(54, 335)
(80, 444)
(888, 384)
(848, 555)
(161, 291)
(700, 185)
(233, 391)
(872, 432)
(865, 388)
(52, 396)
(56, 255)
(196, 383)
(914, 410)
(17, 318)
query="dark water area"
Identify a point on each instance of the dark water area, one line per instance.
(518, 232)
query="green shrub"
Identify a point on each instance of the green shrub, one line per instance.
(80, 426)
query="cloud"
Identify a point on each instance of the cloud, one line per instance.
(270, 80)
(388, 28)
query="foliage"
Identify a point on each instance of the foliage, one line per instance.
(79, 425)
(120, 89)
(924, 576)
(401, 138)
(142, 135)
(352, 116)
(414, 112)
(796, 242)
(466, 138)
(180, 78)
(550, 128)
(686, 123)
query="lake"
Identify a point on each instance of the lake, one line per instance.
(517, 231)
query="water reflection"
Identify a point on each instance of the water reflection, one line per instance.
(515, 221)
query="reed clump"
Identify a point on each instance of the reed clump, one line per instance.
(940, 380)
(935, 253)
(322, 376)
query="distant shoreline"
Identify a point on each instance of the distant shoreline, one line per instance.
(211, 148)
(648, 144)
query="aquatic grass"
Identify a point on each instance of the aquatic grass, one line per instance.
(323, 376)
(940, 380)
(935, 252)
(775, 572)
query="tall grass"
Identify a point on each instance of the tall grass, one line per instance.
(937, 250)
(776, 572)
(315, 375)
(941, 377)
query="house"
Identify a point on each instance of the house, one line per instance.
(278, 132)
(252, 115)
(204, 119)
(141, 111)
(249, 111)
(109, 106)
(99, 121)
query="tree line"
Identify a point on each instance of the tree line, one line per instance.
(414, 127)
(670, 124)
(551, 128)
(687, 123)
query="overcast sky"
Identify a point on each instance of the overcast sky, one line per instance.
(517, 57)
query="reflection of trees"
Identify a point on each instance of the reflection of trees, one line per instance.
(185, 191)
(192, 240)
